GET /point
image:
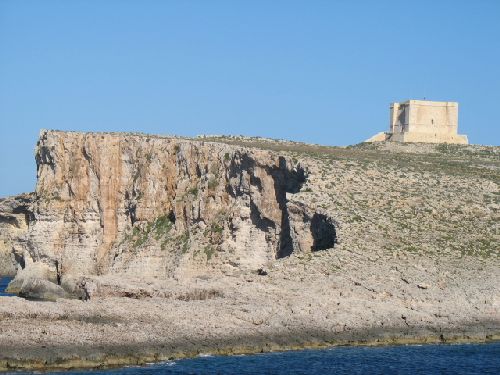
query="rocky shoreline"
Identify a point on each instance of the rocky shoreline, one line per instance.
(67, 356)
(250, 313)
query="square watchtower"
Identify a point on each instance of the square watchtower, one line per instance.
(425, 121)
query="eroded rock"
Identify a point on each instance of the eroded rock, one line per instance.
(164, 207)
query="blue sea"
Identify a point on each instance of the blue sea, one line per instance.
(4, 281)
(411, 360)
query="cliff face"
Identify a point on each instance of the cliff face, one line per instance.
(157, 206)
(14, 217)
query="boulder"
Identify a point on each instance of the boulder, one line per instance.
(33, 270)
(39, 289)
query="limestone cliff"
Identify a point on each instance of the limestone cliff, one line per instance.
(147, 206)
(158, 206)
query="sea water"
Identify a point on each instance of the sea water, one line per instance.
(411, 359)
(4, 281)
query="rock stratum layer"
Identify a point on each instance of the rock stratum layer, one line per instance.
(155, 247)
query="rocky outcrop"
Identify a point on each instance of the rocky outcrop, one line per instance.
(15, 215)
(165, 207)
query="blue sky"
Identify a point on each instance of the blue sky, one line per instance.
(313, 71)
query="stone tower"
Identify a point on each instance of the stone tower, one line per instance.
(423, 121)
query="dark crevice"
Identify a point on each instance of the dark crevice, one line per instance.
(10, 220)
(293, 179)
(43, 156)
(20, 260)
(58, 272)
(263, 223)
(130, 211)
(232, 229)
(86, 156)
(21, 209)
(286, 181)
(286, 243)
(230, 191)
(255, 181)
(171, 216)
(29, 217)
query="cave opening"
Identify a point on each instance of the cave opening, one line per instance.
(323, 232)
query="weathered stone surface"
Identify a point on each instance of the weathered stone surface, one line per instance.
(164, 207)
(14, 217)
